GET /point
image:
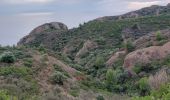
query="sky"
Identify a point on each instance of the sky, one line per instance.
(19, 17)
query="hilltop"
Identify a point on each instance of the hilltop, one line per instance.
(100, 59)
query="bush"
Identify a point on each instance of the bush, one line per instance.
(129, 46)
(16, 71)
(7, 57)
(162, 94)
(99, 62)
(143, 86)
(112, 80)
(159, 36)
(5, 96)
(58, 78)
(100, 97)
(111, 77)
(28, 62)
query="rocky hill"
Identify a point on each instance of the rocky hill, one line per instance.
(96, 60)
(154, 10)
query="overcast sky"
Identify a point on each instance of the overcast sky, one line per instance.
(19, 17)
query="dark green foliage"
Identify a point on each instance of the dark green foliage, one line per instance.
(15, 71)
(42, 49)
(111, 80)
(111, 77)
(162, 94)
(59, 69)
(100, 97)
(7, 57)
(129, 46)
(28, 62)
(100, 62)
(58, 78)
(137, 68)
(143, 86)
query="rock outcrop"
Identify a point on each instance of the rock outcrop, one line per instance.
(154, 10)
(146, 55)
(151, 39)
(45, 34)
(49, 26)
(115, 57)
(88, 45)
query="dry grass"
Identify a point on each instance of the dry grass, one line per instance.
(160, 78)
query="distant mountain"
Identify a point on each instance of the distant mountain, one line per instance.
(154, 10)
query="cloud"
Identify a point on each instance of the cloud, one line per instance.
(70, 2)
(36, 14)
(138, 5)
(25, 1)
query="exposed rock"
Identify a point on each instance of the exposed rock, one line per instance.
(115, 57)
(154, 10)
(49, 26)
(151, 40)
(88, 45)
(46, 34)
(133, 32)
(146, 55)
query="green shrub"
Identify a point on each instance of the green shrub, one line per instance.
(100, 97)
(7, 57)
(159, 36)
(99, 62)
(28, 62)
(137, 69)
(162, 94)
(58, 78)
(16, 71)
(129, 46)
(5, 96)
(111, 77)
(74, 92)
(143, 86)
(42, 49)
(112, 80)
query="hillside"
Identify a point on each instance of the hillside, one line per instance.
(100, 59)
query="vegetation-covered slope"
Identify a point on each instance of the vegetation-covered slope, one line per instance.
(90, 61)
